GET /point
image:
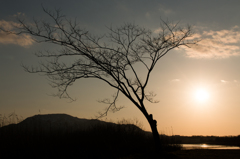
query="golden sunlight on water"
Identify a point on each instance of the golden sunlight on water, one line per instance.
(206, 146)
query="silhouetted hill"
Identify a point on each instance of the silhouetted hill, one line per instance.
(64, 136)
(59, 122)
(62, 123)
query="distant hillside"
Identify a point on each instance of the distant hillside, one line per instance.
(62, 123)
(64, 136)
(59, 122)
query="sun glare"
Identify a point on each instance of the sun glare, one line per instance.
(201, 95)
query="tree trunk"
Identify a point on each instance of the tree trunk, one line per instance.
(156, 137)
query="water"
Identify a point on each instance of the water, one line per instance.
(205, 146)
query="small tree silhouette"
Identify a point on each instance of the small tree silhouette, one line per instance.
(113, 62)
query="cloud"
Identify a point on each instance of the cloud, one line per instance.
(223, 81)
(230, 83)
(21, 40)
(236, 82)
(165, 11)
(216, 44)
(175, 80)
(19, 14)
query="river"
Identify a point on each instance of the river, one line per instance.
(206, 146)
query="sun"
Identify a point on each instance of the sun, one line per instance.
(201, 95)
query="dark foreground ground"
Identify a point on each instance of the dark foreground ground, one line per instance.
(208, 154)
(191, 154)
(181, 154)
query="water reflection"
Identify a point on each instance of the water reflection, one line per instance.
(205, 146)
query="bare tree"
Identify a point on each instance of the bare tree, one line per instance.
(111, 58)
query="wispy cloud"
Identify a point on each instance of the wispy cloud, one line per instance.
(165, 10)
(230, 83)
(19, 14)
(21, 40)
(216, 44)
(223, 81)
(236, 82)
(175, 80)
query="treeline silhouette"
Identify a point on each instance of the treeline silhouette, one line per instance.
(102, 140)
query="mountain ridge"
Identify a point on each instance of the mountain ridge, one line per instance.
(63, 123)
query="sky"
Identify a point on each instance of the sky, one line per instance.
(198, 88)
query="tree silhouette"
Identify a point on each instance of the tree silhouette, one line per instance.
(111, 58)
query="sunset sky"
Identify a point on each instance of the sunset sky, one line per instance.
(198, 88)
